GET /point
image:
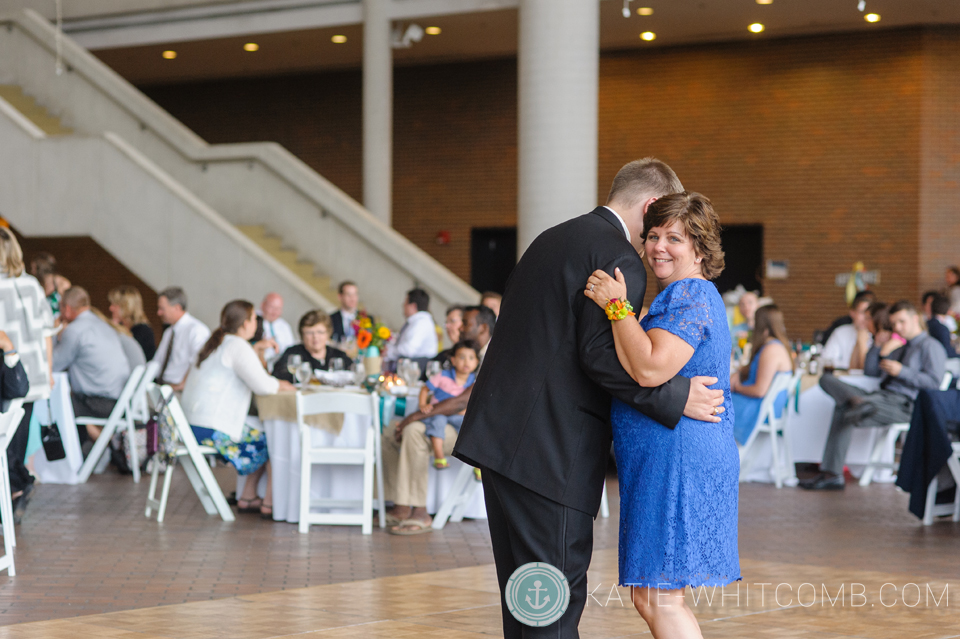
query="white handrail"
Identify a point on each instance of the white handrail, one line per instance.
(21, 120)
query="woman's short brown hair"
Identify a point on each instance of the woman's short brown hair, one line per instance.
(700, 222)
(314, 317)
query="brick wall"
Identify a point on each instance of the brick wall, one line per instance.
(820, 139)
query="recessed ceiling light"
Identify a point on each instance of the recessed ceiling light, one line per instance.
(645, 11)
(169, 55)
(756, 27)
(648, 36)
(338, 39)
(872, 17)
(432, 30)
(764, 1)
(251, 46)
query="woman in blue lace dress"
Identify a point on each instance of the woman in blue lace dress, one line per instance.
(679, 487)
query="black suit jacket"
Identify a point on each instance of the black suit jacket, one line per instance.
(338, 332)
(540, 409)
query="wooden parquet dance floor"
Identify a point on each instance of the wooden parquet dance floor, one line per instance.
(851, 564)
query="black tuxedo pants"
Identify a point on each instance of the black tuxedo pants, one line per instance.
(526, 527)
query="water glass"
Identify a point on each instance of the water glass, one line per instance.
(293, 364)
(304, 373)
(434, 368)
(336, 365)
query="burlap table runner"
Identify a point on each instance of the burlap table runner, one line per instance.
(283, 406)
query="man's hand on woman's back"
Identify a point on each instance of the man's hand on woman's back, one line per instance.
(703, 403)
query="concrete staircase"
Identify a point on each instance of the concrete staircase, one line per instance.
(304, 269)
(31, 110)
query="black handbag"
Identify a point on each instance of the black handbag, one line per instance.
(50, 438)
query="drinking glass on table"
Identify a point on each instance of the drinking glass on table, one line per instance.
(336, 365)
(304, 373)
(293, 365)
(434, 368)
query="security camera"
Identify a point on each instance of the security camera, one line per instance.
(404, 38)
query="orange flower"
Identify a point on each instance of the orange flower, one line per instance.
(364, 338)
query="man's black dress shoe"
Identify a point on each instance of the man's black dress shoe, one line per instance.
(824, 481)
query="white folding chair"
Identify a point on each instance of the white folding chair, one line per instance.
(777, 429)
(121, 415)
(458, 498)
(931, 508)
(368, 457)
(884, 442)
(9, 422)
(139, 402)
(190, 454)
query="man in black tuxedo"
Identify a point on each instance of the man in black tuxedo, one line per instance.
(344, 316)
(538, 418)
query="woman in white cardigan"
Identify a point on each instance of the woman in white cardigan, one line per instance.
(216, 400)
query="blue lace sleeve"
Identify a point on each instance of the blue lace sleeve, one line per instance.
(682, 309)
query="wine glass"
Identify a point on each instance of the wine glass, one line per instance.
(293, 364)
(413, 373)
(304, 373)
(336, 365)
(434, 368)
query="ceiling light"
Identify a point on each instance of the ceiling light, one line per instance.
(756, 27)
(251, 46)
(648, 36)
(169, 55)
(432, 30)
(338, 39)
(764, 1)
(872, 17)
(645, 11)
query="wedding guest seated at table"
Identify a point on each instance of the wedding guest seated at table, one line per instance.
(126, 309)
(748, 304)
(315, 329)
(908, 361)
(343, 317)
(417, 339)
(273, 327)
(447, 384)
(936, 308)
(750, 384)
(870, 296)
(216, 401)
(89, 350)
(406, 450)
(452, 326)
(181, 341)
(492, 300)
(839, 347)
(878, 327)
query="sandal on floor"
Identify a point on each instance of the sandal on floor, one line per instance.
(441, 463)
(266, 512)
(409, 527)
(391, 520)
(253, 506)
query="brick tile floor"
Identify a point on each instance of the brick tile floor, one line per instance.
(88, 549)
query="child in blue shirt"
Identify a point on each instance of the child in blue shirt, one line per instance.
(449, 383)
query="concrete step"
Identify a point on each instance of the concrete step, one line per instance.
(26, 105)
(305, 270)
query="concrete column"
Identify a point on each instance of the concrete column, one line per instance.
(558, 75)
(377, 110)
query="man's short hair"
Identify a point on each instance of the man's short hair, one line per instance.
(940, 304)
(903, 305)
(485, 315)
(344, 285)
(863, 296)
(175, 296)
(646, 177)
(927, 296)
(420, 298)
(76, 297)
(455, 307)
(490, 295)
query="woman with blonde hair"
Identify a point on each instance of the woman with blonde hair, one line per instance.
(751, 383)
(126, 309)
(29, 323)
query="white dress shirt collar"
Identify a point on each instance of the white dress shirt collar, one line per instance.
(626, 231)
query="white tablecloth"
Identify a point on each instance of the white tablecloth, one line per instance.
(809, 429)
(65, 470)
(340, 482)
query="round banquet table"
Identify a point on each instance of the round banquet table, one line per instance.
(334, 482)
(809, 429)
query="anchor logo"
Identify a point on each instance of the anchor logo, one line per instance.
(537, 590)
